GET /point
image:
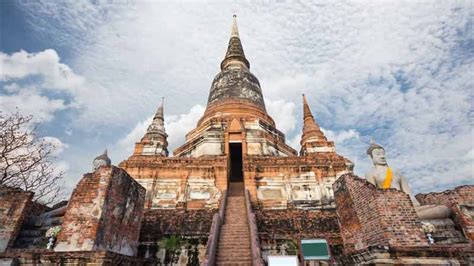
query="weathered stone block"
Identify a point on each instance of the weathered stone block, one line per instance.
(104, 213)
(461, 202)
(14, 207)
(374, 217)
(295, 224)
(158, 223)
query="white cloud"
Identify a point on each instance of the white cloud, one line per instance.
(127, 143)
(30, 102)
(399, 72)
(279, 86)
(178, 126)
(45, 64)
(60, 164)
(58, 145)
(283, 113)
(294, 142)
(341, 136)
(31, 82)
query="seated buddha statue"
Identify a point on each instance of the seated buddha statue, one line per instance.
(384, 177)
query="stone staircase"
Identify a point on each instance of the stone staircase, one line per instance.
(33, 231)
(32, 236)
(446, 232)
(234, 240)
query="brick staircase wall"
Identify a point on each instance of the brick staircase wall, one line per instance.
(234, 240)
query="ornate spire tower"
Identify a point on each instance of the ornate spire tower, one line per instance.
(235, 112)
(235, 57)
(313, 139)
(236, 146)
(154, 142)
(235, 84)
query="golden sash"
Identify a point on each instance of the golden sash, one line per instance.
(388, 179)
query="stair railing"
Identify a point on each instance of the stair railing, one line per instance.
(254, 240)
(213, 239)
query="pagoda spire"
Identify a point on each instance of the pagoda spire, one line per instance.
(159, 112)
(155, 140)
(235, 56)
(310, 124)
(235, 29)
(313, 139)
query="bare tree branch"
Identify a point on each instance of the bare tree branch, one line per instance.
(27, 161)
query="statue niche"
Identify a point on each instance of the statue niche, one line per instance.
(382, 176)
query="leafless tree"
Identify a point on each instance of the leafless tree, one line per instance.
(26, 160)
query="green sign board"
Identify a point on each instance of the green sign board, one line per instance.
(315, 249)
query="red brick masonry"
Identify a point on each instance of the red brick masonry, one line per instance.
(461, 202)
(105, 213)
(14, 207)
(373, 217)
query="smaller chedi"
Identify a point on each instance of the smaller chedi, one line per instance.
(101, 160)
(155, 142)
(384, 177)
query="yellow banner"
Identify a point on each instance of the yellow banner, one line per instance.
(388, 179)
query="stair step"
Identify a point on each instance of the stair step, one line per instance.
(226, 244)
(235, 232)
(234, 240)
(234, 259)
(230, 256)
(232, 246)
(235, 263)
(31, 233)
(237, 239)
(230, 225)
(233, 235)
(237, 258)
(235, 227)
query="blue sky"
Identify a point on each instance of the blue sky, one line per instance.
(93, 74)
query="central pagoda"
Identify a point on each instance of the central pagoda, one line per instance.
(235, 113)
(237, 142)
(236, 149)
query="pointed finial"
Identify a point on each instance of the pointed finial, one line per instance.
(306, 109)
(235, 30)
(235, 55)
(105, 152)
(159, 111)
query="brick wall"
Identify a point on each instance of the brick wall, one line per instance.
(14, 207)
(48, 257)
(458, 195)
(160, 223)
(298, 224)
(371, 217)
(461, 202)
(104, 213)
(192, 226)
(151, 170)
